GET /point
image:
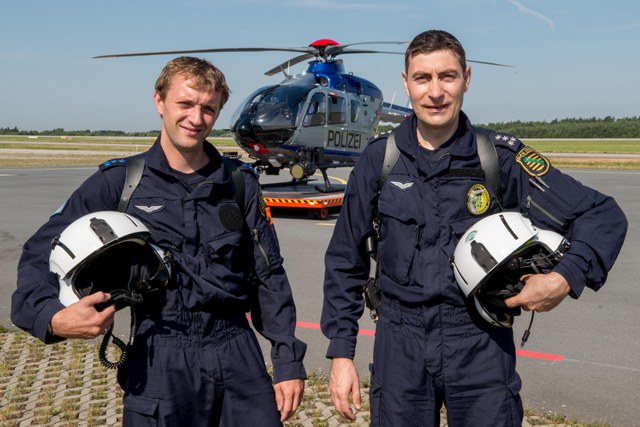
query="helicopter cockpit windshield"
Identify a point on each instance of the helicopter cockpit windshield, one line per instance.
(279, 106)
(271, 114)
(247, 103)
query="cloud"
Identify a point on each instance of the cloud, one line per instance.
(533, 13)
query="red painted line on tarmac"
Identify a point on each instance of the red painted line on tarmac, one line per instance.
(308, 325)
(521, 353)
(537, 355)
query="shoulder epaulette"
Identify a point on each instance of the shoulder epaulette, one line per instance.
(505, 140)
(113, 162)
(380, 136)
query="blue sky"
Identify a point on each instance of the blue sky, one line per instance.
(573, 58)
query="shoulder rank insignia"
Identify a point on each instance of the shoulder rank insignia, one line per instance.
(532, 162)
(112, 162)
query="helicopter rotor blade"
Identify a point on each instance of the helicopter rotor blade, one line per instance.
(293, 61)
(490, 63)
(346, 52)
(339, 49)
(308, 50)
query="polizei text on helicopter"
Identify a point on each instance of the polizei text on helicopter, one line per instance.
(344, 139)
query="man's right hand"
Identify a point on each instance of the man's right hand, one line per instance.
(344, 381)
(82, 320)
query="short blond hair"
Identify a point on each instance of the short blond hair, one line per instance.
(205, 74)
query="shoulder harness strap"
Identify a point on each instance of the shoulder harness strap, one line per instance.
(391, 155)
(238, 181)
(486, 152)
(135, 167)
(489, 161)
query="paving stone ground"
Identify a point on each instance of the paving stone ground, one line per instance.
(66, 385)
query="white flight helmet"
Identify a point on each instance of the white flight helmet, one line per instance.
(107, 251)
(494, 253)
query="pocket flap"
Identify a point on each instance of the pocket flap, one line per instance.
(400, 212)
(141, 405)
(229, 238)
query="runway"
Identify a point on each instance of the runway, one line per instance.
(581, 360)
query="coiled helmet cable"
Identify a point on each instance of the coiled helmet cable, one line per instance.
(124, 348)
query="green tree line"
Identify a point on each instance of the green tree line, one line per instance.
(88, 132)
(609, 127)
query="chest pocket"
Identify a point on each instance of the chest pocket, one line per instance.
(400, 233)
(226, 255)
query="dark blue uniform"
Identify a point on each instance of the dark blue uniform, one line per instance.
(195, 359)
(431, 345)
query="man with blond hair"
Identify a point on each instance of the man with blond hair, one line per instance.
(194, 361)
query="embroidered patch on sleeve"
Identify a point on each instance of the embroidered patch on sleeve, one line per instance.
(534, 163)
(264, 209)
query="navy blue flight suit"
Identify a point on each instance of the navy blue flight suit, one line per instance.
(195, 359)
(431, 345)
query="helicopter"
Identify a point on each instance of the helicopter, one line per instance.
(319, 119)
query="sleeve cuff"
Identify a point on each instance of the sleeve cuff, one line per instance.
(572, 273)
(41, 325)
(341, 347)
(289, 371)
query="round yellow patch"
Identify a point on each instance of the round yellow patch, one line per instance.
(478, 199)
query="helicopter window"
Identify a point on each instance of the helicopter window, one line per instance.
(316, 110)
(355, 109)
(337, 110)
(279, 106)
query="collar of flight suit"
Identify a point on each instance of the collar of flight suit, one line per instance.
(430, 163)
(157, 160)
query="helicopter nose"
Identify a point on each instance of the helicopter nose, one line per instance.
(243, 126)
(245, 136)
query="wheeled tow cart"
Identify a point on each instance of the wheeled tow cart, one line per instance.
(302, 196)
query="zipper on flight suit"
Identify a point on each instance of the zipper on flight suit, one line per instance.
(256, 238)
(531, 202)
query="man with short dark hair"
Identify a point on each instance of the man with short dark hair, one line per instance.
(432, 347)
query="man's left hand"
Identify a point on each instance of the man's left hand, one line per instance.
(541, 292)
(288, 397)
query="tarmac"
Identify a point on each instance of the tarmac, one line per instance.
(65, 384)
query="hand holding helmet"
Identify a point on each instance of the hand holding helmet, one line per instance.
(497, 254)
(82, 320)
(107, 251)
(104, 262)
(542, 292)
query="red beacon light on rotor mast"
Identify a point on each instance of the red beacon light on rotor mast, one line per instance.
(324, 43)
